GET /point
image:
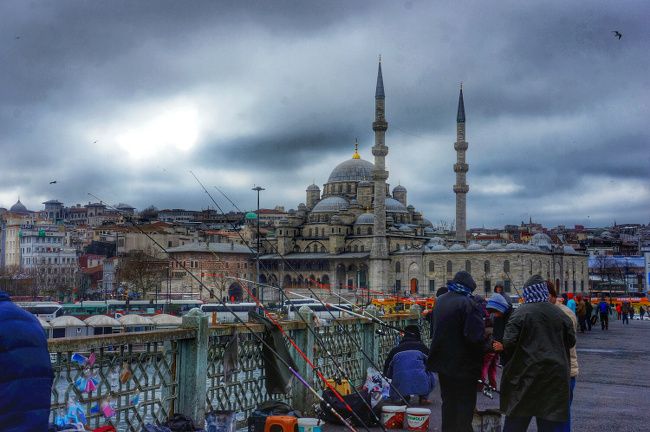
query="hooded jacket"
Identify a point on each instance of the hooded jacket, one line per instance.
(25, 370)
(409, 342)
(408, 373)
(457, 339)
(535, 380)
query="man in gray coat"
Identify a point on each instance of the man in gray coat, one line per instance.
(535, 381)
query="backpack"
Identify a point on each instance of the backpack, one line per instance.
(257, 420)
(602, 307)
(356, 402)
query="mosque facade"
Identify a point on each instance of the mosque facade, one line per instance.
(356, 237)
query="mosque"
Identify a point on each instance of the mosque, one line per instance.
(356, 236)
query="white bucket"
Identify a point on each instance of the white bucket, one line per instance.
(417, 419)
(392, 417)
(309, 424)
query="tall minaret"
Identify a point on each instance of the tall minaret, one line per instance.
(460, 168)
(379, 261)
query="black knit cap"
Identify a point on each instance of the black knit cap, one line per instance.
(412, 330)
(465, 279)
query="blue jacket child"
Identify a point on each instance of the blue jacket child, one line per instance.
(25, 370)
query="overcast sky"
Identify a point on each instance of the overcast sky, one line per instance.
(122, 99)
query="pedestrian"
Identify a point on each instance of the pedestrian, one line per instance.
(456, 352)
(626, 311)
(535, 381)
(574, 355)
(498, 288)
(603, 311)
(641, 312)
(499, 311)
(571, 303)
(581, 313)
(25, 370)
(619, 311)
(589, 312)
(406, 366)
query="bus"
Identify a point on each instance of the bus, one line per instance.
(44, 310)
(88, 308)
(225, 313)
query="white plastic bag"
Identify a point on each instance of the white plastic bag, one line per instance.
(376, 385)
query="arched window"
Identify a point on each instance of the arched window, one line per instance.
(322, 249)
(449, 268)
(349, 188)
(310, 232)
(506, 266)
(431, 267)
(362, 248)
(315, 248)
(468, 266)
(398, 267)
(369, 230)
(358, 231)
(356, 248)
(486, 266)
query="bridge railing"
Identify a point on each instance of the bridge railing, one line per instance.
(145, 377)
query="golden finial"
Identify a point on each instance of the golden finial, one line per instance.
(356, 150)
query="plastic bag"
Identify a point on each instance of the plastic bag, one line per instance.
(377, 386)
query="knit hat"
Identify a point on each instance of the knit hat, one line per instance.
(465, 279)
(441, 291)
(535, 290)
(497, 302)
(412, 330)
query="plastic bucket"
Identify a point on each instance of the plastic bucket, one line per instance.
(417, 419)
(392, 417)
(309, 425)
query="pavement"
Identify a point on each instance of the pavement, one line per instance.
(612, 389)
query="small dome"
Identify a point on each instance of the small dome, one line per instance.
(456, 247)
(512, 246)
(67, 321)
(167, 320)
(568, 249)
(352, 170)
(394, 206)
(102, 321)
(474, 246)
(365, 219)
(19, 208)
(429, 230)
(313, 187)
(330, 205)
(135, 320)
(405, 228)
(436, 240)
(399, 188)
(604, 234)
(493, 246)
(427, 223)
(302, 206)
(437, 248)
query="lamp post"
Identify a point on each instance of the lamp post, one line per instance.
(258, 189)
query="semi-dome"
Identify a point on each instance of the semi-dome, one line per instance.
(330, 205)
(19, 208)
(541, 240)
(394, 206)
(352, 170)
(313, 187)
(365, 219)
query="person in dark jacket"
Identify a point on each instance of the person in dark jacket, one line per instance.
(456, 352)
(498, 289)
(590, 310)
(405, 365)
(25, 370)
(536, 379)
(499, 311)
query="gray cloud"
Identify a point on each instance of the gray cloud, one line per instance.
(556, 106)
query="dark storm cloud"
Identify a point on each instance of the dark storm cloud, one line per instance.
(556, 106)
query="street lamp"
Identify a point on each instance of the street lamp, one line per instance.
(258, 189)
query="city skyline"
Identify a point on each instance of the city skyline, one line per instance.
(123, 101)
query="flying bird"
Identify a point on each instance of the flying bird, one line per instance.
(17, 37)
(617, 34)
(53, 182)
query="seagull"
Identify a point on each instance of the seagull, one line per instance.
(617, 34)
(17, 37)
(53, 182)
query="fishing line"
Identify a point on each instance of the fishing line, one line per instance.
(229, 309)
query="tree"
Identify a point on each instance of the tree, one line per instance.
(149, 214)
(142, 272)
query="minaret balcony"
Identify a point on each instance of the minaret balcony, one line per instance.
(379, 150)
(461, 167)
(460, 146)
(461, 189)
(379, 126)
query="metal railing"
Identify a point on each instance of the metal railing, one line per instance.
(145, 377)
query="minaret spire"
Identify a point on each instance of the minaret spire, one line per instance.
(379, 261)
(460, 168)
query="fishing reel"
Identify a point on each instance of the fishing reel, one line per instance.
(488, 390)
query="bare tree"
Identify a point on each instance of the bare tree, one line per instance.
(142, 272)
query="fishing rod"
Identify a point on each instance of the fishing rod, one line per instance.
(317, 337)
(250, 329)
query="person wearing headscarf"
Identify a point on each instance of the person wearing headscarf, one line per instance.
(499, 311)
(536, 378)
(456, 352)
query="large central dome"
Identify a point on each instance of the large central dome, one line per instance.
(352, 170)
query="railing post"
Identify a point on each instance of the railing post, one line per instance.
(370, 340)
(301, 398)
(192, 368)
